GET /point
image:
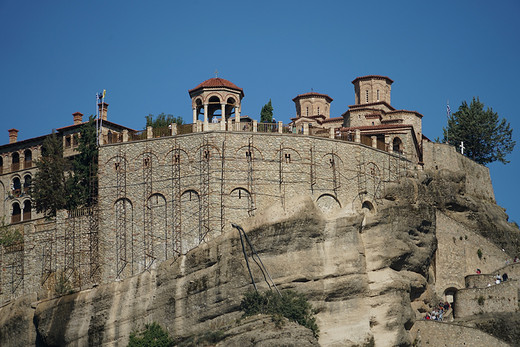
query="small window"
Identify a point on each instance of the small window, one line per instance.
(68, 142)
(378, 95)
(318, 111)
(287, 157)
(366, 96)
(307, 111)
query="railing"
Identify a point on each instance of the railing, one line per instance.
(27, 164)
(161, 132)
(27, 215)
(15, 166)
(267, 127)
(79, 212)
(137, 135)
(184, 129)
(16, 218)
(114, 138)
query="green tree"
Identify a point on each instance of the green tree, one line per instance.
(82, 185)
(48, 189)
(162, 120)
(266, 115)
(486, 138)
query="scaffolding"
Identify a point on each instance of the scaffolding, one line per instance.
(121, 215)
(176, 196)
(148, 236)
(204, 174)
(250, 177)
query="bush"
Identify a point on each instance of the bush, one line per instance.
(481, 300)
(152, 336)
(291, 305)
(479, 253)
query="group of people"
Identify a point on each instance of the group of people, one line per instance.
(438, 312)
(499, 279)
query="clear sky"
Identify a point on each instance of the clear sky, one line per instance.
(55, 56)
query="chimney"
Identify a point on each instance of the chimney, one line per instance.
(103, 107)
(78, 117)
(13, 135)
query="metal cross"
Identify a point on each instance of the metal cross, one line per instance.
(216, 73)
(462, 147)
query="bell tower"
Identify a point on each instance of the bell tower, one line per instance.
(215, 98)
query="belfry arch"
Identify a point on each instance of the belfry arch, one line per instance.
(215, 98)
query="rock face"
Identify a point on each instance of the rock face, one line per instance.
(369, 275)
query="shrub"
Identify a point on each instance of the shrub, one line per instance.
(291, 305)
(62, 285)
(152, 336)
(481, 300)
(479, 253)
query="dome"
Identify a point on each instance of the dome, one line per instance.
(216, 82)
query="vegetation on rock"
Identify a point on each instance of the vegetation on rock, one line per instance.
(9, 237)
(152, 336)
(290, 304)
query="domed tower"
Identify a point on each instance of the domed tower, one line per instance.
(312, 104)
(371, 89)
(216, 97)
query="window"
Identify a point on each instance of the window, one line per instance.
(68, 142)
(318, 111)
(378, 95)
(27, 162)
(17, 213)
(16, 187)
(366, 96)
(287, 157)
(15, 162)
(27, 183)
(27, 210)
(1, 165)
(307, 111)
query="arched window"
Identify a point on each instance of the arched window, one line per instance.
(27, 180)
(16, 186)
(15, 163)
(397, 145)
(17, 213)
(27, 161)
(27, 205)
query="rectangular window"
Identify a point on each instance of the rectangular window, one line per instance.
(378, 95)
(366, 94)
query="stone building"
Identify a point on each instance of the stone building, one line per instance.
(163, 193)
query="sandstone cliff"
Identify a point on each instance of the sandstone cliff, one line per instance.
(370, 275)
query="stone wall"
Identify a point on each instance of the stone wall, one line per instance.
(190, 188)
(501, 297)
(439, 156)
(430, 333)
(62, 249)
(482, 280)
(457, 254)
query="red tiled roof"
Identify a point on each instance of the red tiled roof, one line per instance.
(311, 94)
(369, 77)
(398, 111)
(371, 104)
(330, 120)
(377, 127)
(216, 82)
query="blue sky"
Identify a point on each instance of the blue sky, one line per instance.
(55, 55)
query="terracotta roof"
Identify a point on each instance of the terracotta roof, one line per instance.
(67, 127)
(369, 77)
(330, 120)
(377, 127)
(216, 82)
(406, 111)
(372, 104)
(311, 94)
